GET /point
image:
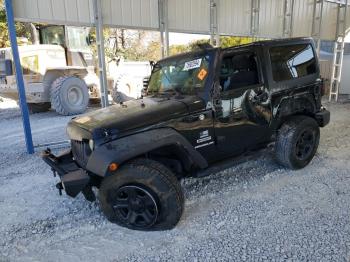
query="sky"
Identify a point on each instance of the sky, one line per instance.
(181, 39)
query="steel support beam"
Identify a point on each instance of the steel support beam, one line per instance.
(288, 11)
(163, 26)
(317, 23)
(214, 31)
(19, 77)
(101, 53)
(254, 18)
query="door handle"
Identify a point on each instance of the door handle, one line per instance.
(190, 119)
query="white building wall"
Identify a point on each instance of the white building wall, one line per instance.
(345, 76)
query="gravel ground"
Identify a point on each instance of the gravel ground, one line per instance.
(254, 211)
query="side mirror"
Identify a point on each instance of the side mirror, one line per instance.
(6, 68)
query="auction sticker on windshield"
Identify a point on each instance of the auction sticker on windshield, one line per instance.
(202, 74)
(192, 64)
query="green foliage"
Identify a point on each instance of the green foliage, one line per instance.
(137, 46)
(177, 49)
(195, 44)
(21, 28)
(225, 41)
(228, 41)
(131, 44)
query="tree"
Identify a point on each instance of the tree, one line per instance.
(21, 28)
(133, 45)
(225, 41)
(228, 41)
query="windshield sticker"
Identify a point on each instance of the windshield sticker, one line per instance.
(202, 74)
(192, 64)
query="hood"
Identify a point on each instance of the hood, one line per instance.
(134, 114)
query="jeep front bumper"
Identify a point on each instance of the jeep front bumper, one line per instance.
(73, 178)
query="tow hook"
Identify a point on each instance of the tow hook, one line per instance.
(54, 172)
(59, 186)
(88, 193)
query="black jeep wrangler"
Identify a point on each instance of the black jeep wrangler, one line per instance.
(200, 108)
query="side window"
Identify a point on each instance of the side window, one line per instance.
(238, 70)
(77, 59)
(292, 61)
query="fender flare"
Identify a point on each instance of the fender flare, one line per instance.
(126, 148)
(292, 105)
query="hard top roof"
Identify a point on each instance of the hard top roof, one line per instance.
(283, 41)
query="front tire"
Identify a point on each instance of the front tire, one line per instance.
(297, 142)
(143, 195)
(119, 97)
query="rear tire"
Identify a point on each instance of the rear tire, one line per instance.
(152, 183)
(38, 107)
(69, 95)
(297, 142)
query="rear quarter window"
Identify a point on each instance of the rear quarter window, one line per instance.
(292, 61)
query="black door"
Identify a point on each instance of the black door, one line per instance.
(199, 131)
(243, 117)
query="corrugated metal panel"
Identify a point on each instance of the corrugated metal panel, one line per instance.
(302, 17)
(271, 18)
(329, 21)
(348, 19)
(120, 13)
(74, 12)
(234, 17)
(326, 69)
(131, 13)
(189, 16)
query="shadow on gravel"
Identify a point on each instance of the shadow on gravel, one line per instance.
(9, 113)
(249, 170)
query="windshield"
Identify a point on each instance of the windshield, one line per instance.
(53, 35)
(183, 75)
(77, 37)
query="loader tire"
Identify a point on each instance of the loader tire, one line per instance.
(69, 95)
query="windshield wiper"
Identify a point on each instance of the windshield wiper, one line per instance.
(172, 92)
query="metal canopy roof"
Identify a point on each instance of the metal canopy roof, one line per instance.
(188, 16)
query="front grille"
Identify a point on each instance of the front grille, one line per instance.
(81, 152)
(145, 82)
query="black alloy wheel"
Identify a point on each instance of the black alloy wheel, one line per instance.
(136, 206)
(297, 141)
(142, 194)
(305, 144)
